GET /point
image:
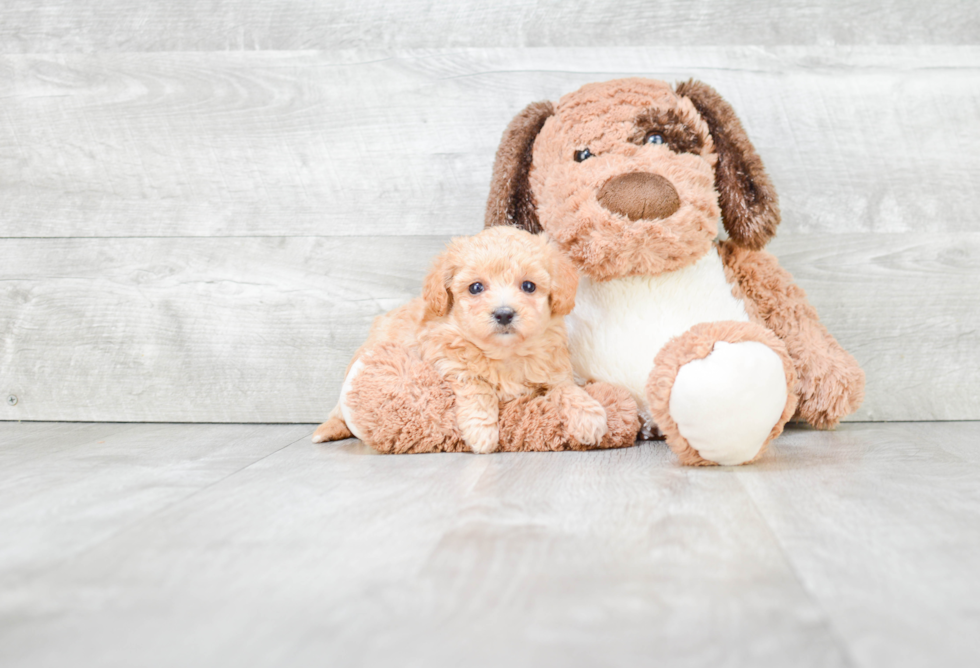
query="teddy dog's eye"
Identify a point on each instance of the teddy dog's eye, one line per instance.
(653, 138)
(584, 154)
(528, 287)
(476, 288)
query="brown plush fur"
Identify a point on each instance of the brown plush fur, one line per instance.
(603, 118)
(748, 200)
(484, 362)
(510, 201)
(535, 423)
(609, 211)
(404, 406)
(831, 382)
(704, 145)
(669, 124)
(697, 343)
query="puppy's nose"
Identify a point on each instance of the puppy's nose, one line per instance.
(504, 315)
(640, 195)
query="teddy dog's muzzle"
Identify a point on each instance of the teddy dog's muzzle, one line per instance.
(639, 196)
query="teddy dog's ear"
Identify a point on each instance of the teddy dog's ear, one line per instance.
(510, 201)
(564, 282)
(435, 291)
(749, 205)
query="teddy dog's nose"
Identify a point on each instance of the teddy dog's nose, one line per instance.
(640, 195)
(504, 315)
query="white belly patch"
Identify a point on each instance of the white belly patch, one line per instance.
(619, 326)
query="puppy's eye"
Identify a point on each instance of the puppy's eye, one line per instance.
(528, 287)
(476, 288)
(584, 154)
(653, 138)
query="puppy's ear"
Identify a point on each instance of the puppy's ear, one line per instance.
(749, 206)
(435, 291)
(510, 201)
(564, 282)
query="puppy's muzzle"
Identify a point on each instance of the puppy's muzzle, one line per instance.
(504, 315)
(639, 196)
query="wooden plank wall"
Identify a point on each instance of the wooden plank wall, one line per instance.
(202, 206)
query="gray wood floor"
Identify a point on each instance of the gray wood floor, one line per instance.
(183, 545)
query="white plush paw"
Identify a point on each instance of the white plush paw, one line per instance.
(586, 421)
(344, 410)
(726, 404)
(481, 439)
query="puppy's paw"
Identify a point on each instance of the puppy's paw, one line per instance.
(584, 417)
(333, 429)
(589, 426)
(481, 439)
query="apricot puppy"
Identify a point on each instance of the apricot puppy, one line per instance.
(490, 322)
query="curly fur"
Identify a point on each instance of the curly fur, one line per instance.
(454, 339)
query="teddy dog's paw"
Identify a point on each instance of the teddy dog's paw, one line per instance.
(726, 405)
(481, 439)
(584, 417)
(838, 393)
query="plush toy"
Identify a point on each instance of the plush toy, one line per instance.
(401, 406)
(712, 338)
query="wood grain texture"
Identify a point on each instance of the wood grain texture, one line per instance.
(261, 330)
(65, 491)
(364, 142)
(184, 25)
(879, 522)
(201, 330)
(23, 441)
(332, 556)
(850, 548)
(907, 306)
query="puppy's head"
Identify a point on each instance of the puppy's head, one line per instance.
(630, 177)
(500, 287)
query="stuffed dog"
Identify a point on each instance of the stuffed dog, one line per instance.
(714, 341)
(480, 362)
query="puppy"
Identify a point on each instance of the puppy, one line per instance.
(490, 322)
